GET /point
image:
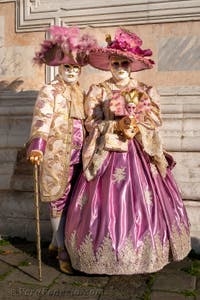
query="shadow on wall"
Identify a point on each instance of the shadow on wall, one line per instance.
(22, 178)
(15, 119)
(10, 86)
(17, 212)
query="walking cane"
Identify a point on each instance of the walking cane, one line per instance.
(37, 217)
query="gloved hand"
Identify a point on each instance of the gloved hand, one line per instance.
(36, 157)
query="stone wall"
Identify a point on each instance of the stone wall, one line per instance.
(176, 48)
(16, 181)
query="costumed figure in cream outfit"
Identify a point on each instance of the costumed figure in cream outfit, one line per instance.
(57, 128)
(126, 215)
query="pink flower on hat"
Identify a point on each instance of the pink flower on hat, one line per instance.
(125, 36)
(125, 44)
(128, 41)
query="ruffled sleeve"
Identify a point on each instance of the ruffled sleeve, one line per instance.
(155, 113)
(149, 131)
(95, 110)
(99, 125)
(150, 116)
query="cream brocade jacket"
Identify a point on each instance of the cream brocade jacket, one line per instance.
(56, 106)
(100, 120)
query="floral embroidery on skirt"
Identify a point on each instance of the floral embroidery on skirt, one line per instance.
(134, 220)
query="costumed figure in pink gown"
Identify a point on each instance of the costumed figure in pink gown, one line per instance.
(126, 215)
(57, 129)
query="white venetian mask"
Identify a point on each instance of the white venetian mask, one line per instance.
(70, 73)
(120, 68)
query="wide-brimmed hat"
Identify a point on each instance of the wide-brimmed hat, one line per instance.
(66, 46)
(125, 44)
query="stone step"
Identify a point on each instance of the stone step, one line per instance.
(187, 174)
(25, 228)
(21, 205)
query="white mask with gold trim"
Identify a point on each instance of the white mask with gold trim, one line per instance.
(120, 68)
(70, 73)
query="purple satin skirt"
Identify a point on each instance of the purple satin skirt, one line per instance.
(128, 220)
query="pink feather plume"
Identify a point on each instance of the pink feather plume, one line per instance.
(69, 40)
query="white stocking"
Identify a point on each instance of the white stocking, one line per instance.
(53, 240)
(58, 224)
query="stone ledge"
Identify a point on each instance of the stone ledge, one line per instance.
(174, 283)
(187, 174)
(21, 205)
(157, 295)
(24, 228)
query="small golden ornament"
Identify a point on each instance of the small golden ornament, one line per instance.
(131, 97)
(108, 39)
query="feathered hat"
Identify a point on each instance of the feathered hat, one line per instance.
(66, 46)
(125, 44)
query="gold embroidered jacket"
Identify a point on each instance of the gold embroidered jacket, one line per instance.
(53, 122)
(100, 120)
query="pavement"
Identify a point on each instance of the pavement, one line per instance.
(19, 279)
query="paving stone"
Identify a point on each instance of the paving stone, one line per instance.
(14, 256)
(78, 286)
(70, 287)
(84, 280)
(176, 281)
(174, 266)
(71, 293)
(125, 287)
(169, 296)
(29, 274)
(19, 292)
(4, 268)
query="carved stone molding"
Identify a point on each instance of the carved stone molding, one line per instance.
(181, 118)
(36, 15)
